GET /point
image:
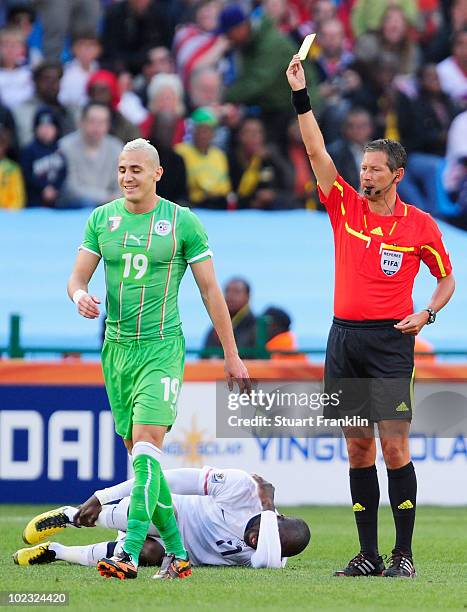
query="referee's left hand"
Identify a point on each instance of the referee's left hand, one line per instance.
(235, 371)
(413, 324)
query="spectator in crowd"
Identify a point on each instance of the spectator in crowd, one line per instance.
(280, 336)
(86, 50)
(12, 193)
(333, 58)
(424, 123)
(197, 44)
(432, 112)
(286, 17)
(260, 176)
(63, 18)
(130, 28)
(368, 15)
(158, 60)
(206, 90)
(321, 11)
(237, 298)
(454, 19)
(92, 159)
(347, 151)
(15, 75)
(7, 121)
(304, 183)
(103, 88)
(22, 15)
(393, 37)
(46, 78)
(334, 66)
(165, 95)
(456, 154)
(44, 167)
(452, 71)
(379, 95)
(206, 165)
(130, 105)
(173, 182)
(263, 52)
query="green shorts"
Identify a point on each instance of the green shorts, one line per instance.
(143, 380)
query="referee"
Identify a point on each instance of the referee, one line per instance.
(379, 243)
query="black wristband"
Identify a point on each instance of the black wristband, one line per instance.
(301, 101)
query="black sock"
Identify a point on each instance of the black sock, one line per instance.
(403, 496)
(364, 489)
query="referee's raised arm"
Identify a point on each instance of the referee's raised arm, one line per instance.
(321, 162)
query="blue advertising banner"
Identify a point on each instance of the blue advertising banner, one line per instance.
(57, 444)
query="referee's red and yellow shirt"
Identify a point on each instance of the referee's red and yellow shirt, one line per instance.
(378, 257)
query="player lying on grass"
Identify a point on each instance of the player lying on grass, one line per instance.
(225, 517)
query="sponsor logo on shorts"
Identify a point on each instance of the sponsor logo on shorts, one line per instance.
(391, 261)
(114, 223)
(163, 227)
(218, 477)
(402, 407)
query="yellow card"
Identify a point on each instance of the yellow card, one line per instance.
(306, 44)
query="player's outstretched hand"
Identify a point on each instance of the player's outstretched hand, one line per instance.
(296, 74)
(87, 306)
(88, 513)
(235, 371)
(413, 324)
(265, 492)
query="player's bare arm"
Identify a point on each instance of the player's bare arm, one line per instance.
(413, 323)
(77, 288)
(322, 165)
(216, 307)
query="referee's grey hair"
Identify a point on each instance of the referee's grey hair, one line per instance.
(139, 144)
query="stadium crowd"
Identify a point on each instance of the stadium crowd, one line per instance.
(204, 82)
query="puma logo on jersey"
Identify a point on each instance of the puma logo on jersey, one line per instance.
(358, 507)
(407, 505)
(402, 407)
(136, 239)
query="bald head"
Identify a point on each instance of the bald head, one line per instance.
(294, 534)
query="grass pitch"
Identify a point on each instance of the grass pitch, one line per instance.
(306, 583)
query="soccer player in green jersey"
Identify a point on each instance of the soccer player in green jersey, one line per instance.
(146, 243)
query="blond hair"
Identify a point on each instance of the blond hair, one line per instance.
(140, 144)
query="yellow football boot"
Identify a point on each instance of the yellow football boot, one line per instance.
(35, 555)
(45, 525)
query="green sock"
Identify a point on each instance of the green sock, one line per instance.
(143, 500)
(164, 519)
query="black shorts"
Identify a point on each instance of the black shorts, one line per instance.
(370, 365)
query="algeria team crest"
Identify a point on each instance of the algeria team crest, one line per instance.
(391, 261)
(114, 223)
(163, 227)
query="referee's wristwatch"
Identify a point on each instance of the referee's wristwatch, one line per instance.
(431, 316)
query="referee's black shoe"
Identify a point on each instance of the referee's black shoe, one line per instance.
(362, 565)
(400, 566)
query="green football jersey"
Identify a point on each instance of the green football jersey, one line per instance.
(145, 257)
